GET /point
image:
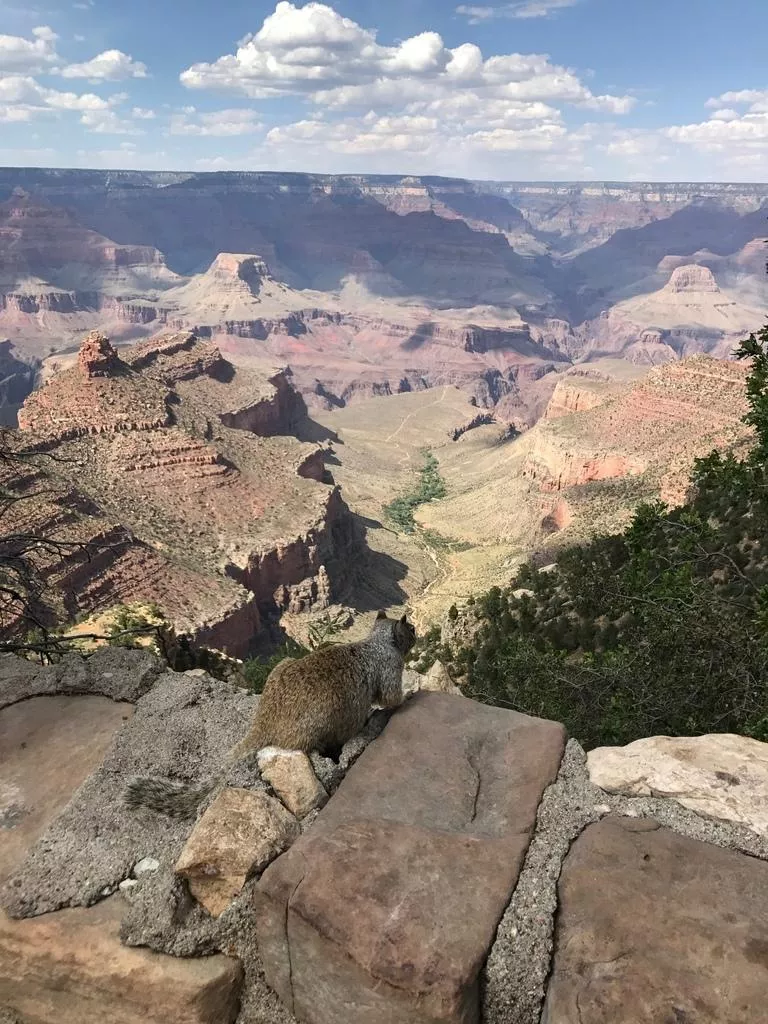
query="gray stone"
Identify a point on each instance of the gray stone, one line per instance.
(385, 910)
(653, 926)
(49, 746)
(144, 865)
(182, 729)
(69, 967)
(114, 672)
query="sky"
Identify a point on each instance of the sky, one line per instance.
(618, 90)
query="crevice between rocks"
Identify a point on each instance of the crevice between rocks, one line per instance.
(289, 956)
(518, 967)
(472, 754)
(517, 972)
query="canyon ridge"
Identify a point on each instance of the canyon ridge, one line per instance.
(270, 354)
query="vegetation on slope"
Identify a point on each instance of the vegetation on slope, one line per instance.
(430, 486)
(662, 629)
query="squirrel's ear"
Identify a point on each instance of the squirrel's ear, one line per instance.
(381, 615)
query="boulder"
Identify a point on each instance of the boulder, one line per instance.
(438, 680)
(655, 927)
(291, 776)
(384, 911)
(237, 835)
(435, 680)
(719, 776)
(49, 746)
(70, 968)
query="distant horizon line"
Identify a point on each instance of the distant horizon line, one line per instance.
(389, 176)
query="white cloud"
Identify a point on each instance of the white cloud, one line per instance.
(107, 122)
(28, 56)
(109, 66)
(22, 98)
(521, 9)
(740, 97)
(313, 51)
(142, 114)
(219, 123)
(737, 139)
(418, 97)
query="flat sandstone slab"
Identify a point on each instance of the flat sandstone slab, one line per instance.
(69, 967)
(48, 748)
(655, 928)
(385, 910)
(719, 776)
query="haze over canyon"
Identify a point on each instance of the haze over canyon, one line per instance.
(318, 331)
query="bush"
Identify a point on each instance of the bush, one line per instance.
(430, 486)
(662, 629)
(256, 670)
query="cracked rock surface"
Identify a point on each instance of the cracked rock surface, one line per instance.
(385, 910)
(654, 926)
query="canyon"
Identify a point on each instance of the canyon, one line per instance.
(282, 347)
(166, 475)
(378, 285)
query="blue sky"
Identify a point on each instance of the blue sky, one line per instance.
(523, 89)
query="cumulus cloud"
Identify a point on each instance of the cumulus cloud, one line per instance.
(109, 66)
(22, 98)
(108, 122)
(314, 51)
(418, 96)
(739, 138)
(521, 9)
(219, 123)
(28, 56)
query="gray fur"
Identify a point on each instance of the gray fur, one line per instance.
(173, 799)
(314, 704)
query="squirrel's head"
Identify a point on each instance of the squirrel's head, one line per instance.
(403, 632)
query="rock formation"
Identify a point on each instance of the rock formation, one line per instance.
(197, 463)
(428, 282)
(345, 924)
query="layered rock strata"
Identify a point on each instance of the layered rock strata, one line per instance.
(197, 462)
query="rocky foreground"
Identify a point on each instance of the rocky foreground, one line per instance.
(181, 482)
(472, 865)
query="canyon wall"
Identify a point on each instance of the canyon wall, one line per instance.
(186, 494)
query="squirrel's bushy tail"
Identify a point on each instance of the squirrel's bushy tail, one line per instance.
(173, 799)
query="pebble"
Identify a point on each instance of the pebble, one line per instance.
(145, 865)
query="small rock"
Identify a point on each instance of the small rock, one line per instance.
(290, 774)
(438, 680)
(238, 835)
(521, 593)
(147, 864)
(327, 771)
(411, 681)
(127, 884)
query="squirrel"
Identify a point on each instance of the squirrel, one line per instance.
(314, 703)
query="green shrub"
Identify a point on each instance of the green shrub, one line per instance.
(429, 487)
(662, 629)
(256, 670)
